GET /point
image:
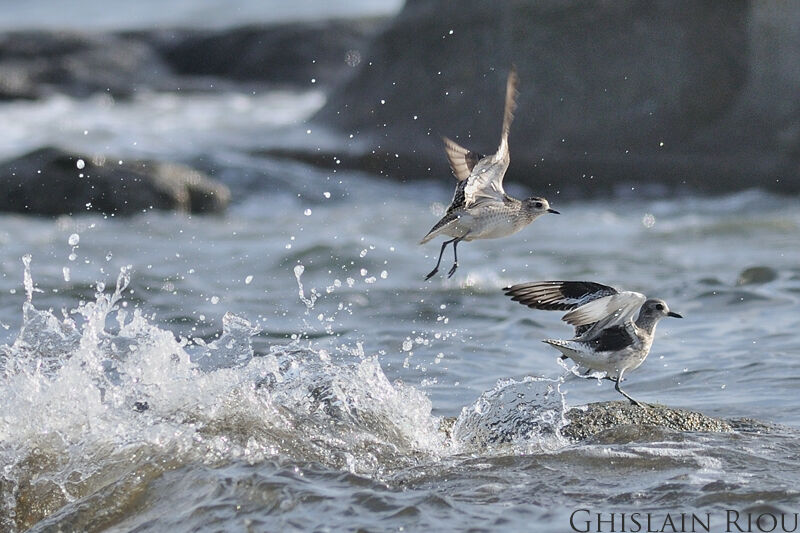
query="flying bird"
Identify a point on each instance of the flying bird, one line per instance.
(480, 208)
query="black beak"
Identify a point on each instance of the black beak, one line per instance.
(674, 315)
(553, 211)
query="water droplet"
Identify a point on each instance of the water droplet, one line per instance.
(215, 300)
(65, 271)
(407, 345)
(307, 212)
(74, 239)
(80, 164)
(352, 58)
(248, 280)
(648, 220)
(326, 194)
(384, 274)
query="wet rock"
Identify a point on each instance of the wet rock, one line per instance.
(756, 276)
(585, 422)
(621, 416)
(50, 181)
(324, 51)
(658, 95)
(35, 64)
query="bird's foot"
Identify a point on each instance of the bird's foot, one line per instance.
(452, 270)
(432, 273)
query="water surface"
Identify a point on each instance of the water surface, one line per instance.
(295, 367)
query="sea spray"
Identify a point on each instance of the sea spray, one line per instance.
(527, 415)
(105, 396)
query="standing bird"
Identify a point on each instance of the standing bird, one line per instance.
(480, 208)
(607, 338)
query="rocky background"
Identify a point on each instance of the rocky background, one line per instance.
(620, 97)
(701, 94)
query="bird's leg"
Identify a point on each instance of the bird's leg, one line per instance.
(455, 256)
(441, 252)
(619, 390)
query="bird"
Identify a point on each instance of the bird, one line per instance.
(609, 335)
(480, 208)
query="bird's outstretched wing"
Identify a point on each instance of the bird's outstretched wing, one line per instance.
(508, 115)
(485, 182)
(620, 307)
(558, 295)
(592, 306)
(461, 160)
(591, 319)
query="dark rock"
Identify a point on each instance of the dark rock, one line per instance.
(34, 64)
(756, 276)
(587, 421)
(141, 407)
(49, 182)
(682, 94)
(295, 53)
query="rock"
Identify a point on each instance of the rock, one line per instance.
(35, 64)
(595, 418)
(587, 421)
(296, 53)
(756, 276)
(50, 181)
(659, 95)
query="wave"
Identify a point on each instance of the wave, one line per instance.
(100, 399)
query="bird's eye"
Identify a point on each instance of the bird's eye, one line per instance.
(539, 205)
(660, 307)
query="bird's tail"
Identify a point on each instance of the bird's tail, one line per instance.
(439, 227)
(565, 347)
(431, 234)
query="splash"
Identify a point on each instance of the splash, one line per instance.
(102, 398)
(526, 415)
(99, 403)
(309, 302)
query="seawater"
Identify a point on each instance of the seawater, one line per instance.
(286, 367)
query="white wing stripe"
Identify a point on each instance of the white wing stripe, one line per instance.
(617, 308)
